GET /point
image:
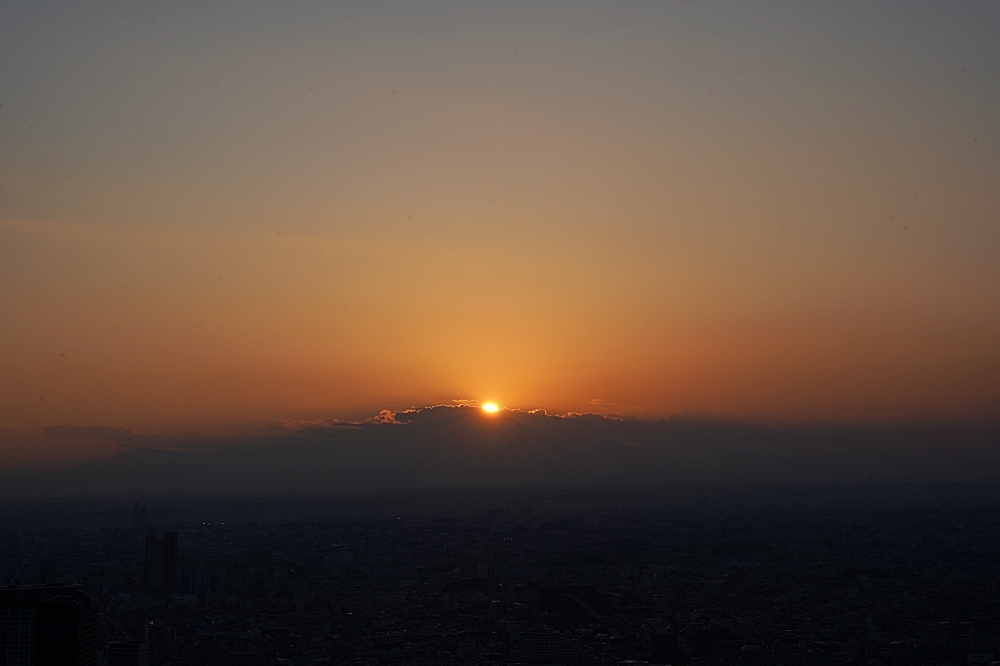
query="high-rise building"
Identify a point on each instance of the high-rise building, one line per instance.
(67, 632)
(161, 562)
(171, 575)
(46, 624)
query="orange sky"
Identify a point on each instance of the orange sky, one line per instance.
(216, 218)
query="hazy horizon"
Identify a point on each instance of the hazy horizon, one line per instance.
(465, 448)
(62, 446)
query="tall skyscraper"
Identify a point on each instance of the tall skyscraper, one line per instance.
(161, 562)
(171, 574)
(46, 624)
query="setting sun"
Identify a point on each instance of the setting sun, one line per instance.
(491, 408)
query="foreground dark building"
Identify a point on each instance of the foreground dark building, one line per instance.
(47, 625)
(160, 566)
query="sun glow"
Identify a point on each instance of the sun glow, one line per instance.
(491, 408)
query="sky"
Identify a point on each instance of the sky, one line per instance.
(220, 215)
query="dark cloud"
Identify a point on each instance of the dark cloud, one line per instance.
(461, 447)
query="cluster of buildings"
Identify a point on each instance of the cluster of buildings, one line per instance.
(696, 584)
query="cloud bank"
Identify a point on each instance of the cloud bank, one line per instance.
(460, 447)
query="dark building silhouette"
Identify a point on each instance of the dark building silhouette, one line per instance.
(170, 562)
(42, 625)
(66, 632)
(161, 562)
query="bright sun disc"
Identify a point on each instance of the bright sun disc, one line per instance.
(491, 408)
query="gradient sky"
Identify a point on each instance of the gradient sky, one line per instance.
(227, 214)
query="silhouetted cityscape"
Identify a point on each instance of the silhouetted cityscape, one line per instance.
(851, 576)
